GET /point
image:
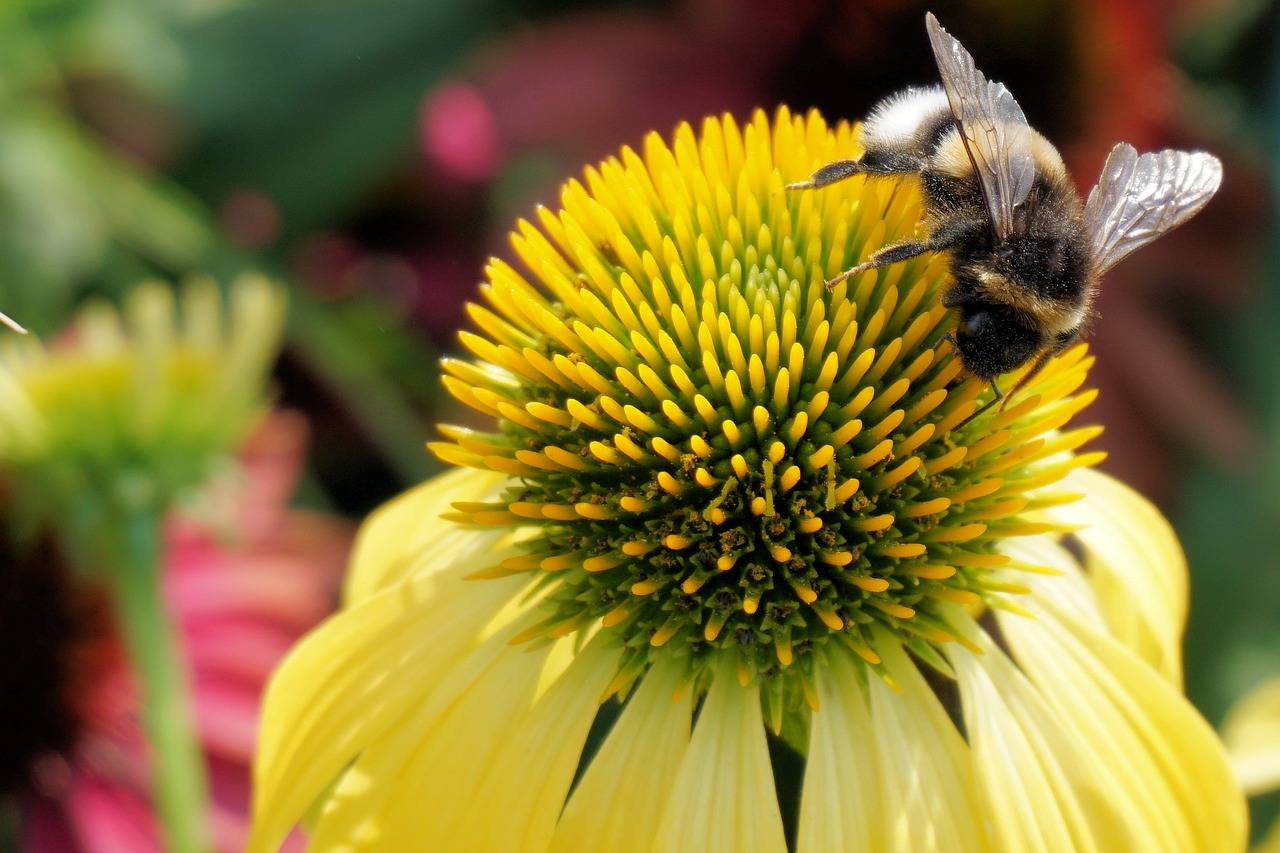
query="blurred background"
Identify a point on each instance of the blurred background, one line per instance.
(374, 153)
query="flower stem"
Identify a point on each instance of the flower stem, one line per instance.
(178, 780)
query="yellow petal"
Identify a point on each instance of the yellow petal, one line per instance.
(435, 756)
(484, 764)
(350, 679)
(1071, 588)
(1129, 762)
(1136, 566)
(1037, 795)
(887, 771)
(723, 799)
(407, 534)
(524, 793)
(616, 804)
(1252, 734)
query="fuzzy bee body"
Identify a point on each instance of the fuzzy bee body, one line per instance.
(1026, 251)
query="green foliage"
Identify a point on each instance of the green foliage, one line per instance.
(314, 103)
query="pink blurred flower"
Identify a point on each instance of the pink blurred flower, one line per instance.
(577, 88)
(242, 589)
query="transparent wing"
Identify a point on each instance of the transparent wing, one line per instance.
(1139, 198)
(994, 130)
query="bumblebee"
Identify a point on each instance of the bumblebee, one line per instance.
(1026, 253)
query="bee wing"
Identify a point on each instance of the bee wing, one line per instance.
(991, 125)
(1139, 198)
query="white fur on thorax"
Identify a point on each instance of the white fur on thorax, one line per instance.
(895, 121)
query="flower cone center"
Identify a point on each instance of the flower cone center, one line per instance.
(723, 457)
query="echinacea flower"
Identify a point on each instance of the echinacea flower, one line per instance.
(136, 408)
(725, 516)
(101, 435)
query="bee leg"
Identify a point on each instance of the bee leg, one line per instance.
(828, 174)
(996, 399)
(940, 241)
(888, 255)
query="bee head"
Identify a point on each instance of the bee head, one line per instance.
(992, 339)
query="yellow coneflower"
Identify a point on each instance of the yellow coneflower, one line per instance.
(101, 434)
(722, 505)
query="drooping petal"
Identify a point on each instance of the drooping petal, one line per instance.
(534, 767)
(617, 802)
(1080, 745)
(1136, 567)
(925, 766)
(723, 798)
(437, 752)
(1036, 792)
(354, 676)
(488, 735)
(1071, 588)
(1162, 769)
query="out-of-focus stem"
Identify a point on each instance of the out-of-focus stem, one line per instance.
(131, 542)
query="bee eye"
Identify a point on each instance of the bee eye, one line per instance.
(974, 325)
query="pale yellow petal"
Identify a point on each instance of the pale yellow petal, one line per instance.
(434, 758)
(1136, 566)
(840, 803)
(1111, 755)
(1166, 771)
(524, 793)
(723, 799)
(925, 764)
(1252, 734)
(1150, 740)
(1070, 587)
(406, 534)
(483, 765)
(887, 771)
(617, 802)
(1035, 792)
(355, 676)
